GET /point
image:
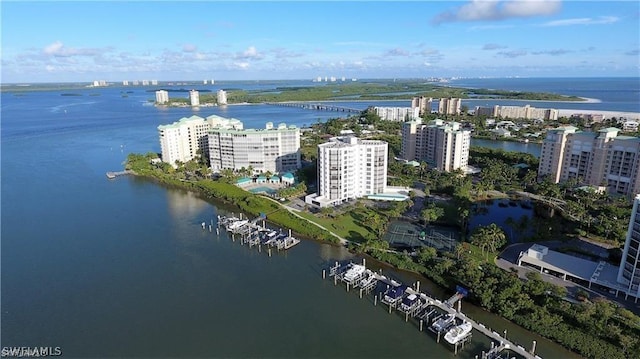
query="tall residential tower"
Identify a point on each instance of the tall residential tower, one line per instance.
(444, 145)
(629, 272)
(594, 158)
(349, 168)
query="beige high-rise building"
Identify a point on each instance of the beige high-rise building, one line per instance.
(423, 104)
(272, 149)
(182, 140)
(444, 145)
(594, 158)
(449, 106)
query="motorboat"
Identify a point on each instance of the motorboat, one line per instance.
(457, 333)
(443, 323)
(368, 279)
(236, 224)
(354, 272)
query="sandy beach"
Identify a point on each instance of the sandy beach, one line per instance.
(606, 114)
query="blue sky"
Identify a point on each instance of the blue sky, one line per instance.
(169, 40)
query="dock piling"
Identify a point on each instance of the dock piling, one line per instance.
(421, 324)
(324, 273)
(533, 348)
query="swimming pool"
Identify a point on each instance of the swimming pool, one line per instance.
(389, 197)
(263, 189)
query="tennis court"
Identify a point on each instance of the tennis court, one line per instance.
(407, 235)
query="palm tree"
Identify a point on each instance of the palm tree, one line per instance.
(497, 237)
(488, 238)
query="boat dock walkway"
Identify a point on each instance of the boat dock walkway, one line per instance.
(112, 175)
(425, 309)
(254, 234)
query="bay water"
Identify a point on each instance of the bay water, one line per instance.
(122, 268)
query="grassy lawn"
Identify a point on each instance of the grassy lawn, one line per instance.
(345, 225)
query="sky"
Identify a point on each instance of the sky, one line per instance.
(77, 41)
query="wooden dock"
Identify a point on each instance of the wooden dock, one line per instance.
(112, 175)
(429, 307)
(253, 234)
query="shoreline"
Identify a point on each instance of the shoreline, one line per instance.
(605, 113)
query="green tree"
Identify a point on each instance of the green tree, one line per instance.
(431, 213)
(488, 238)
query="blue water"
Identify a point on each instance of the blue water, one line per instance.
(122, 268)
(530, 148)
(615, 93)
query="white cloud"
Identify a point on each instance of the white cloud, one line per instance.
(486, 10)
(189, 48)
(251, 53)
(602, 20)
(54, 48)
(241, 65)
(58, 49)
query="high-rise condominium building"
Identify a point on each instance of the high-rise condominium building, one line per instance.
(444, 145)
(398, 114)
(273, 149)
(194, 98)
(185, 139)
(349, 168)
(594, 158)
(222, 97)
(423, 104)
(449, 106)
(162, 96)
(629, 271)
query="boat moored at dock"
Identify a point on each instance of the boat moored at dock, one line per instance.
(458, 333)
(443, 323)
(354, 273)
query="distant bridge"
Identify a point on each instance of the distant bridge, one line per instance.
(316, 106)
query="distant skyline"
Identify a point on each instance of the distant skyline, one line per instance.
(165, 40)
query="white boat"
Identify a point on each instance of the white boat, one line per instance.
(237, 224)
(443, 323)
(457, 333)
(367, 280)
(354, 272)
